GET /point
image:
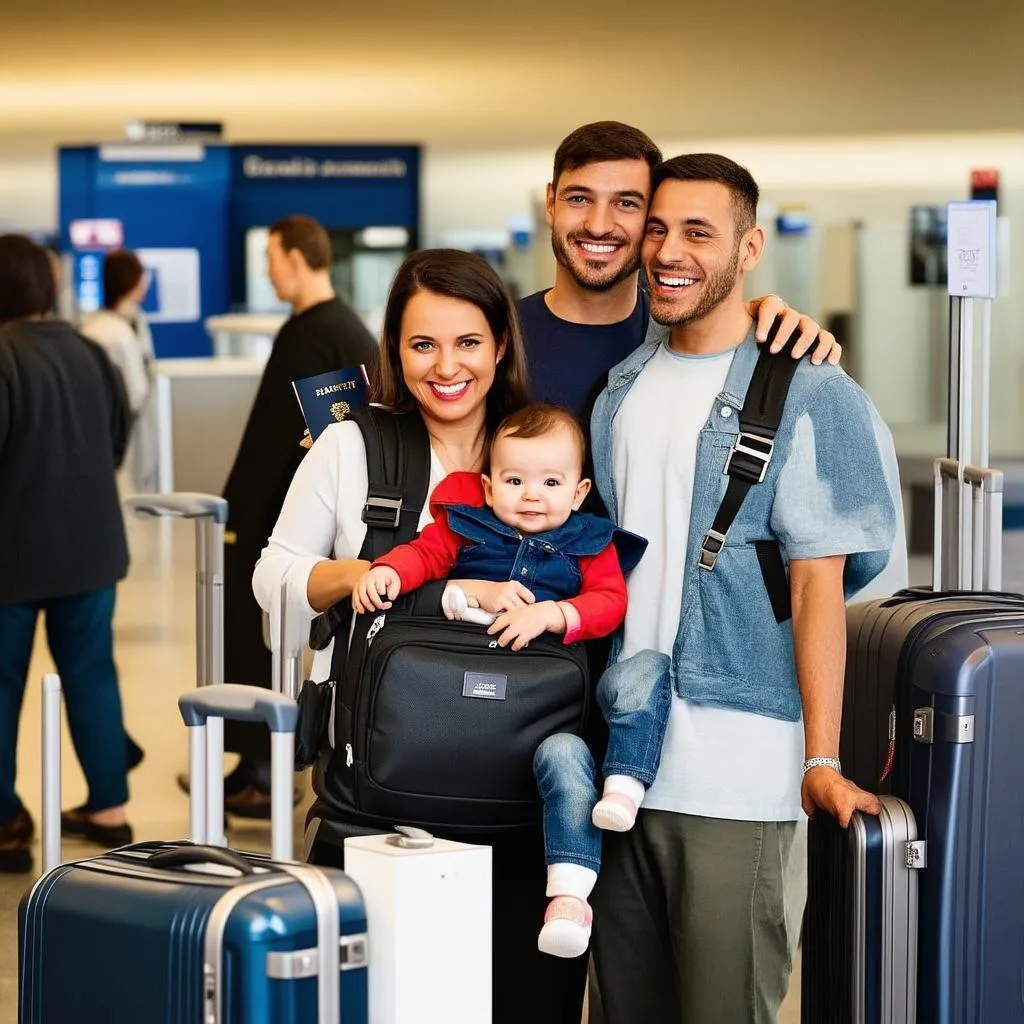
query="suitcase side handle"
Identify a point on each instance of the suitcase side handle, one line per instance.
(185, 856)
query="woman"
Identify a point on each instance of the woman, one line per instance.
(121, 329)
(451, 349)
(63, 429)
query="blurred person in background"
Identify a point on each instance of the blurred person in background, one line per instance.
(120, 328)
(321, 335)
(63, 431)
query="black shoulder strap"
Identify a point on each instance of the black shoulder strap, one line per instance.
(748, 463)
(398, 476)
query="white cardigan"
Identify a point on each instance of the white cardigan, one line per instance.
(321, 518)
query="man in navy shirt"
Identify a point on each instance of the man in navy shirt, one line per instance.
(596, 313)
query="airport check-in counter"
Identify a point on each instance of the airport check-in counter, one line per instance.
(201, 409)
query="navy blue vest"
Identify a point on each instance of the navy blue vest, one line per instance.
(545, 563)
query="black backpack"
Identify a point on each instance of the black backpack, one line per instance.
(434, 724)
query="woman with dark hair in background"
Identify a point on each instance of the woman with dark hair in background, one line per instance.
(120, 328)
(63, 430)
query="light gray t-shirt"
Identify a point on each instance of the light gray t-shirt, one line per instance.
(716, 762)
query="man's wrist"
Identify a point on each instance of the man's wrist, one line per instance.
(822, 762)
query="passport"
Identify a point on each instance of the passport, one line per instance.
(330, 397)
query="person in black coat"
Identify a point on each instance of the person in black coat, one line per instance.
(64, 423)
(322, 335)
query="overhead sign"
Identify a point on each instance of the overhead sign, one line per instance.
(173, 131)
(305, 167)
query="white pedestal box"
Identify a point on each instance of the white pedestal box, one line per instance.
(428, 918)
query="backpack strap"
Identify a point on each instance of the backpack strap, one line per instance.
(398, 478)
(748, 463)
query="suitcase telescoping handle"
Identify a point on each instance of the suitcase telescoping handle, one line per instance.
(968, 538)
(51, 772)
(210, 513)
(286, 643)
(243, 704)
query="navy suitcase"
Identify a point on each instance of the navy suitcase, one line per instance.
(185, 933)
(862, 933)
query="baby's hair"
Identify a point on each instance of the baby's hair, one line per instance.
(538, 420)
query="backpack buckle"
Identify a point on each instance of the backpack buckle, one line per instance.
(755, 454)
(710, 548)
(382, 513)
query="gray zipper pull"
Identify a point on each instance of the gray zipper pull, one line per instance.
(348, 755)
(375, 628)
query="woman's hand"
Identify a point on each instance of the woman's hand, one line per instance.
(808, 332)
(521, 625)
(376, 588)
(495, 597)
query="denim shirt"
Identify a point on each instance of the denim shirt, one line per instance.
(546, 563)
(834, 496)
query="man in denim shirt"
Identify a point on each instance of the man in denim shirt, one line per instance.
(690, 908)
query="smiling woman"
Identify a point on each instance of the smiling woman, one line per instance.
(451, 352)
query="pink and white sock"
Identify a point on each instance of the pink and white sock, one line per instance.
(619, 803)
(568, 919)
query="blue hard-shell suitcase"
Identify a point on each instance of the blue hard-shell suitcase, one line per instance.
(860, 932)
(189, 933)
(167, 932)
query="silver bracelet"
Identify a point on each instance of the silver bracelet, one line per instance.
(822, 762)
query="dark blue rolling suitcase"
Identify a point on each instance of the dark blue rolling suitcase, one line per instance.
(185, 933)
(861, 933)
(948, 672)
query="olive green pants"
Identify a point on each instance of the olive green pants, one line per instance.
(690, 921)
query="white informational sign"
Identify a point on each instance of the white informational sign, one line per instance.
(972, 249)
(174, 285)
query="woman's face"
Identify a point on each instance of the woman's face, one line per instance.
(448, 355)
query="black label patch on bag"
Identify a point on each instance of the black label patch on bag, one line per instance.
(485, 685)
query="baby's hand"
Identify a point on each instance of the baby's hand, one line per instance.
(521, 625)
(498, 597)
(376, 588)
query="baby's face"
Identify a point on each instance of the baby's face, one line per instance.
(535, 483)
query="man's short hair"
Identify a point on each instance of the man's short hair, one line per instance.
(538, 420)
(306, 235)
(601, 141)
(713, 167)
(122, 272)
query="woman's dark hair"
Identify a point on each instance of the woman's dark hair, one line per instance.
(27, 287)
(122, 272)
(456, 275)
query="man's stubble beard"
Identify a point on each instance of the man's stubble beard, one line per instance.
(593, 282)
(718, 287)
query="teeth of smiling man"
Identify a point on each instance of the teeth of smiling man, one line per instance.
(675, 282)
(451, 389)
(595, 248)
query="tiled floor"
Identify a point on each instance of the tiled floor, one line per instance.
(155, 630)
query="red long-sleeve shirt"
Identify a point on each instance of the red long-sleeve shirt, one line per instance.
(600, 604)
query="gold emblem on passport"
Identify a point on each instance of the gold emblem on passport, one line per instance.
(339, 410)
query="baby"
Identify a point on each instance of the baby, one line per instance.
(528, 562)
